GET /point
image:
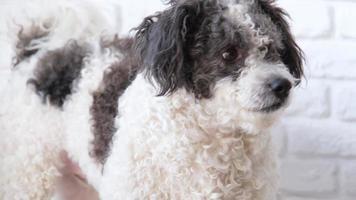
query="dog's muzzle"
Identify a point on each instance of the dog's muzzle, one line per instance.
(280, 89)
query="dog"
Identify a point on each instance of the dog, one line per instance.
(180, 111)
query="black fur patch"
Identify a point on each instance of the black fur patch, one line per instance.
(105, 104)
(56, 71)
(25, 38)
(182, 47)
(172, 45)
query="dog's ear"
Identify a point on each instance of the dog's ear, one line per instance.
(291, 54)
(162, 41)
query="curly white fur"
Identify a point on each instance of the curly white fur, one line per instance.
(188, 150)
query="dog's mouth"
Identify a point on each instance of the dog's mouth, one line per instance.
(272, 108)
(268, 109)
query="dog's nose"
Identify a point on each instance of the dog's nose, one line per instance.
(280, 87)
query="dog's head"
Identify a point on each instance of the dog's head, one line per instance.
(211, 47)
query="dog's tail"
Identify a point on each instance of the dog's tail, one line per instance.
(47, 24)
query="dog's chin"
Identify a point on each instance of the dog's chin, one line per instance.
(270, 109)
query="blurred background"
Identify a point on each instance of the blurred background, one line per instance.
(317, 136)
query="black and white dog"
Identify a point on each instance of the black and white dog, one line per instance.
(180, 111)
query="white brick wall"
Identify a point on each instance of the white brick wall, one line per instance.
(317, 137)
(319, 160)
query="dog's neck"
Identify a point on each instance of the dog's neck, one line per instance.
(179, 127)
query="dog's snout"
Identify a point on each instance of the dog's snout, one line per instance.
(280, 87)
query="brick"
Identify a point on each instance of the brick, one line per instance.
(345, 16)
(330, 59)
(310, 19)
(346, 103)
(321, 138)
(308, 177)
(311, 100)
(349, 179)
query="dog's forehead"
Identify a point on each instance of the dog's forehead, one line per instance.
(238, 3)
(248, 14)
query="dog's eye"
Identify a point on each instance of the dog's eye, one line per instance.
(231, 54)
